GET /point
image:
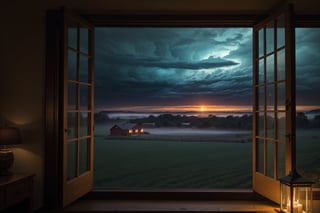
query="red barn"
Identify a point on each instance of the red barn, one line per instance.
(126, 129)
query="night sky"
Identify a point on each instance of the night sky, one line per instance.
(179, 69)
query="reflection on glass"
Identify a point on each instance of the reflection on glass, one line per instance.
(261, 97)
(270, 159)
(261, 71)
(84, 68)
(281, 163)
(270, 124)
(72, 96)
(84, 155)
(270, 68)
(281, 74)
(84, 97)
(270, 97)
(72, 125)
(72, 37)
(270, 37)
(84, 40)
(281, 126)
(261, 42)
(281, 105)
(260, 157)
(261, 124)
(72, 160)
(280, 32)
(84, 123)
(72, 65)
(308, 90)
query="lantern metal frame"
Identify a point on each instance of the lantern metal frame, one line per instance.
(295, 194)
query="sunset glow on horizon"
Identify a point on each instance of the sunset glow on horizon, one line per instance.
(196, 108)
(185, 108)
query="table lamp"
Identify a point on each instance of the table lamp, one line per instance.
(8, 136)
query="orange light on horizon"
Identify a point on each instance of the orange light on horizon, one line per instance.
(182, 108)
(198, 108)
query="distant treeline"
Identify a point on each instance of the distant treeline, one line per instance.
(229, 122)
(302, 121)
(169, 120)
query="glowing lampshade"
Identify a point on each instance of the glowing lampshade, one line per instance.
(8, 136)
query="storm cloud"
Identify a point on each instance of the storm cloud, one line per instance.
(187, 66)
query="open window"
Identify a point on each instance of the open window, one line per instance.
(78, 108)
(274, 103)
(69, 108)
(69, 103)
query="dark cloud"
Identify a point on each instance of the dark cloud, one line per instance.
(307, 66)
(158, 63)
(181, 66)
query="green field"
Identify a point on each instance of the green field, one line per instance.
(171, 164)
(308, 154)
(156, 164)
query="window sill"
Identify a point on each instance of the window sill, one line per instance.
(173, 194)
(171, 206)
(172, 201)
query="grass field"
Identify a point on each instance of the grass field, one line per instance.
(176, 164)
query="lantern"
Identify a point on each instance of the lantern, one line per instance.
(296, 194)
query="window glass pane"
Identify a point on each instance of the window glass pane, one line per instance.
(281, 126)
(270, 124)
(72, 96)
(72, 65)
(280, 32)
(281, 169)
(84, 40)
(84, 155)
(261, 42)
(260, 157)
(72, 160)
(84, 68)
(261, 124)
(261, 97)
(84, 124)
(270, 97)
(281, 105)
(72, 125)
(270, 159)
(281, 75)
(270, 37)
(72, 37)
(308, 103)
(261, 71)
(84, 97)
(270, 68)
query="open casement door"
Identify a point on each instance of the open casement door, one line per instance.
(78, 108)
(273, 102)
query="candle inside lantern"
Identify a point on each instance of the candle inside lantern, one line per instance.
(297, 207)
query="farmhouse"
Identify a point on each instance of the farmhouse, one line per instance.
(126, 129)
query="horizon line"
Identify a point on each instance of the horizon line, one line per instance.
(196, 108)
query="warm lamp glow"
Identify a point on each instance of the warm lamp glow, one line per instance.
(8, 136)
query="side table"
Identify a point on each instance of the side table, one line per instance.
(16, 192)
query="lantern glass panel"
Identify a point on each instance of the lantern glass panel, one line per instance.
(300, 198)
